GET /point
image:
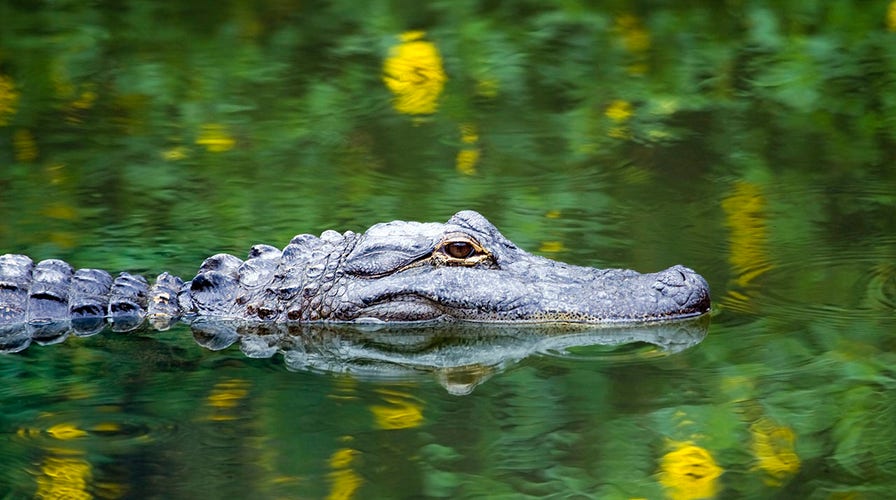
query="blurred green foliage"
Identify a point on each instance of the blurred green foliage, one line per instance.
(751, 140)
(237, 107)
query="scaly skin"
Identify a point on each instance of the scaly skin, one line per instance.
(462, 270)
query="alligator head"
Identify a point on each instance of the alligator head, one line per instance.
(467, 270)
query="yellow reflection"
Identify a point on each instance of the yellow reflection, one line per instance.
(215, 138)
(487, 87)
(60, 210)
(63, 239)
(228, 394)
(619, 110)
(620, 133)
(466, 161)
(24, 146)
(64, 477)
(110, 427)
(403, 411)
(468, 157)
(891, 16)
(657, 135)
(85, 100)
(344, 388)
(747, 224)
(66, 431)
(631, 31)
(342, 458)
(9, 99)
(551, 247)
(414, 73)
(689, 473)
(225, 396)
(62, 82)
(635, 39)
(344, 481)
(174, 154)
(773, 447)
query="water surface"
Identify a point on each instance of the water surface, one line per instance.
(753, 144)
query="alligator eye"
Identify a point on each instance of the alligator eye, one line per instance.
(459, 249)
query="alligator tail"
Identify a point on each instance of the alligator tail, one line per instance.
(50, 296)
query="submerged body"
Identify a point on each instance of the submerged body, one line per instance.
(463, 270)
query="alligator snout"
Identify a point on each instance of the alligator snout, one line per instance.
(683, 285)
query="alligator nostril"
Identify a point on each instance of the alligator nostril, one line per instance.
(672, 277)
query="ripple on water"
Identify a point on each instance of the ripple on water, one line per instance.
(109, 427)
(820, 283)
(785, 256)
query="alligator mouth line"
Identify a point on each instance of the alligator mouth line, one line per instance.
(451, 312)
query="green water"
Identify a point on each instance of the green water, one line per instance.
(754, 143)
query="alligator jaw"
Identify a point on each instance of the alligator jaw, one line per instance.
(535, 296)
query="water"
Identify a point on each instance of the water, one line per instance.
(754, 145)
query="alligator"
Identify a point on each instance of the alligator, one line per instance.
(460, 270)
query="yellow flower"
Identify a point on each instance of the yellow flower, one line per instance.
(9, 98)
(891, 16)
(689, 473)
(414, 73)
(214, 138)
(773, 448)
(619, 110)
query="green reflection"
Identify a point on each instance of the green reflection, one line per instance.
(752, 141)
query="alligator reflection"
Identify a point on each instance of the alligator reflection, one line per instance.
(460, 355)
